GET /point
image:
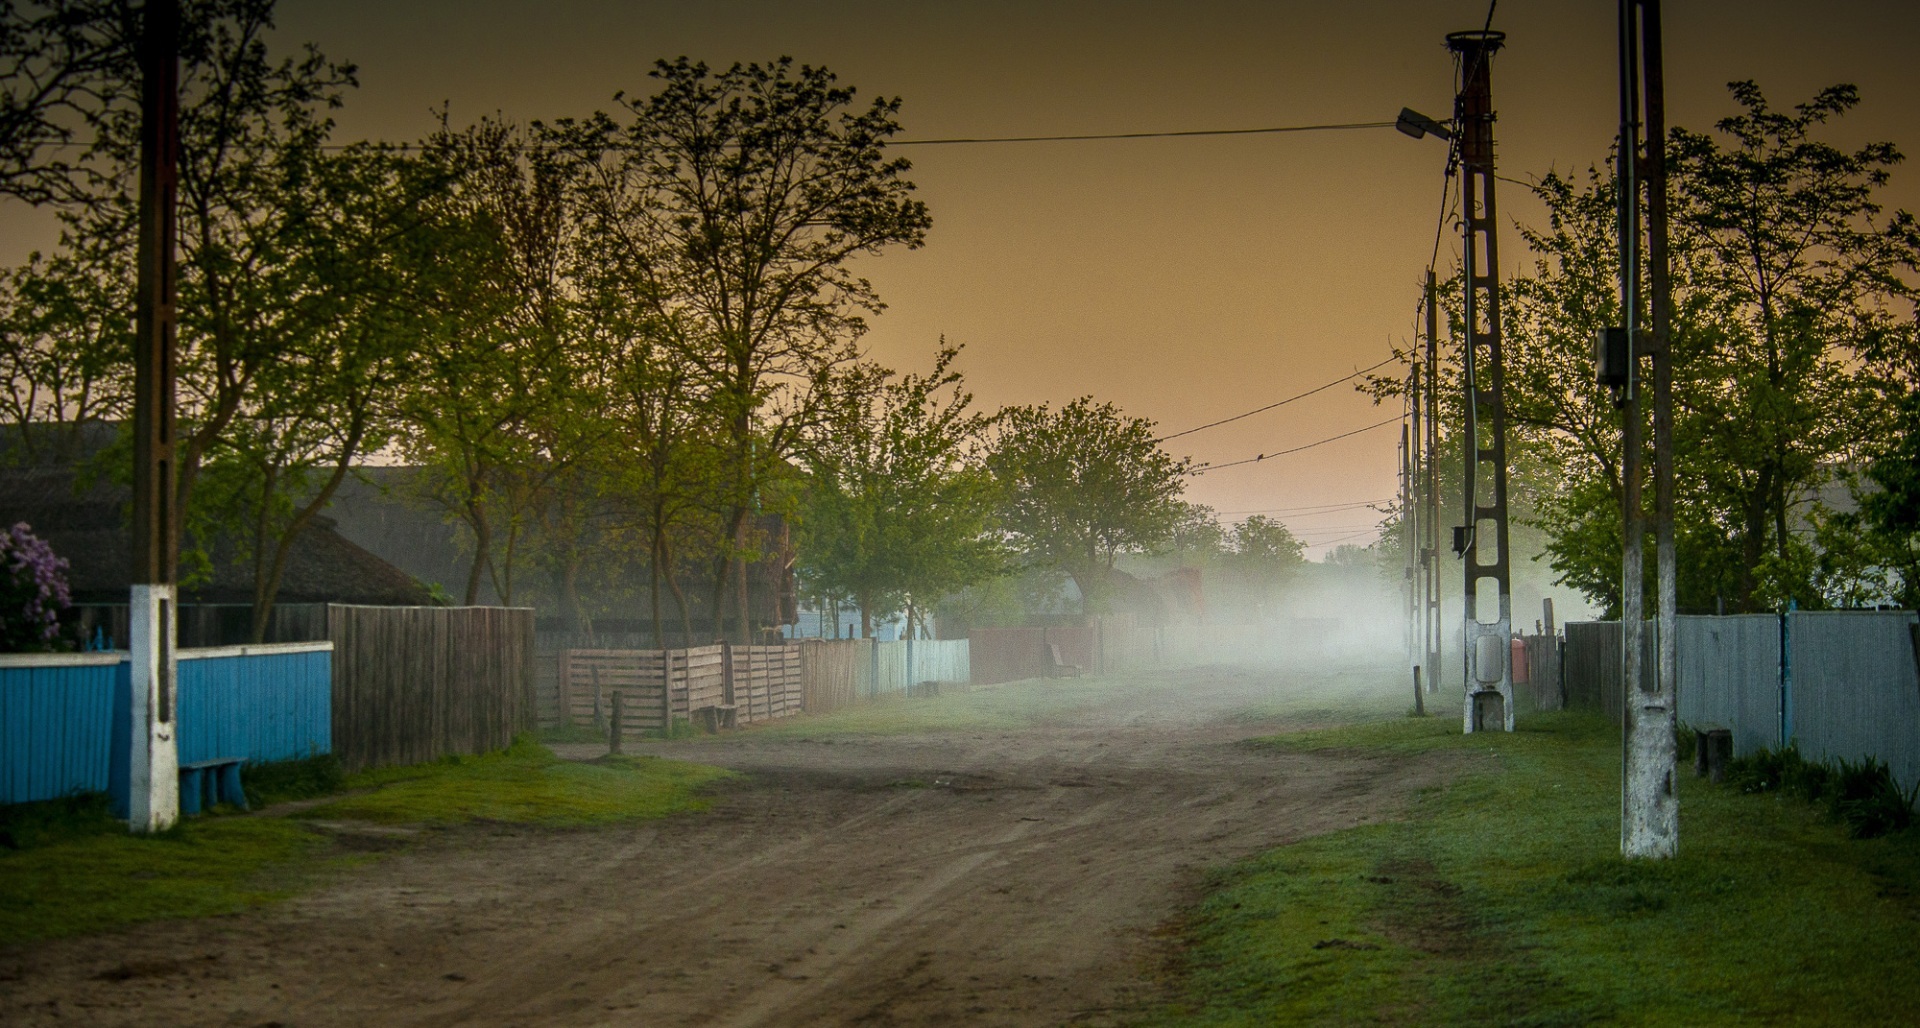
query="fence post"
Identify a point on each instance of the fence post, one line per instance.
(619, 718)
(562, 686)
(599, 711)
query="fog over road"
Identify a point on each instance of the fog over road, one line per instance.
(1018, 865)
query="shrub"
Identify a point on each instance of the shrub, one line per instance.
(1867, 801)
(33, 591)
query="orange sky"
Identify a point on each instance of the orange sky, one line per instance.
(1184, 279)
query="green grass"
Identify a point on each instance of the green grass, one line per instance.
(1502, 899)
(525, 784)
(203, 866)
(70, 869)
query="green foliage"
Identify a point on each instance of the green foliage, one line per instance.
(1861, 797)
(898, 507)
(1501, 898)
(1084, 484)
(1788, 343)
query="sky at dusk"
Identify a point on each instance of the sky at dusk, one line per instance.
(1183, 279)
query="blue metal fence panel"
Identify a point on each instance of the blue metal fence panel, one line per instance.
(1730, 676)
(258, 706)
(56, 725)
(63, 717)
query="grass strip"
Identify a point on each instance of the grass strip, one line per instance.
(524, 784)
(70, 869)
(1502, 900)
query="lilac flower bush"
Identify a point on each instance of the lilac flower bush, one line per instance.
(33, 591)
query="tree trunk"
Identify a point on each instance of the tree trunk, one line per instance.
(679, 594)
(866, 616)
(482, 547)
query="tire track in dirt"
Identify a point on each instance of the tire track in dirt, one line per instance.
(1007, 878)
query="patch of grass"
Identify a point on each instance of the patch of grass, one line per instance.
(1502, 899)
(203, 866)
(26, 826)
(571, 733)
(284, 780)
(1008, 707)
(73, 869)
(525, 783)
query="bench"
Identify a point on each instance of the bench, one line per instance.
(205, 783)
(1058, 668)
(1712, 749)
(718, 716)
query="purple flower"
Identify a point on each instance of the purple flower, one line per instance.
(33, 591)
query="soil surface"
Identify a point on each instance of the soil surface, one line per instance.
(1019, 877)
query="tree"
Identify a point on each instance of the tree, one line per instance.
(63, 65)
(898, 510)
(737, 200)
(1084, 484)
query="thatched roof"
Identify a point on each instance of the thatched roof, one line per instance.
(88, 526)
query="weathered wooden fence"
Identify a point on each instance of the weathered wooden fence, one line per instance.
(757, 682)
(832, 672)
(1845, 685)
(413, 684)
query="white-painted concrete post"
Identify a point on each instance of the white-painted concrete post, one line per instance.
(153, 792)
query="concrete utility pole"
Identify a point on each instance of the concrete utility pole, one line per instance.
(1430, 490)
(1649, 810)
(1482, 542)
(1413, 587)
(153, 793)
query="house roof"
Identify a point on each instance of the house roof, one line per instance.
(86, 524)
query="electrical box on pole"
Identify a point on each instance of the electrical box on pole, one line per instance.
(1488, 617)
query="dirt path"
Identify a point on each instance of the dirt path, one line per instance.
(996, 878)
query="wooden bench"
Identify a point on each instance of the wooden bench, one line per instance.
(1712, 749)
(717, 716)
(207, 783)
(1058, 668)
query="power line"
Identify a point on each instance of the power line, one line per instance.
(1280, 403)
(1204, 468)
(1319, 508)
(1342, 126)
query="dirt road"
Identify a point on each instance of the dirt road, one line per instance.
(1022, 876)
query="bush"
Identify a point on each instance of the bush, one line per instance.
(1863, 797)
(33, 592)
(1867, 801)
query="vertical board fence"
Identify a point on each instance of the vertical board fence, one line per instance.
(1845, 687)
(834, 673)
(259, 703)
(413, 684)
(767, 682)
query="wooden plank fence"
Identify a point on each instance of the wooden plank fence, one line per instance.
(413, 684)
(834, 673)
(759, 682)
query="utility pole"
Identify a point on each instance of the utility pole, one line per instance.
(1482, 542)
(1430, 544)
(1412, 587)
(1649, 809)
(153, 793)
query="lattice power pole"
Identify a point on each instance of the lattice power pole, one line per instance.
(153, 786)
(1482, 542)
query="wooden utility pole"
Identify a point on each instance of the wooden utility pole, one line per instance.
(153, 793)
(1483, 544)
(1649, 809)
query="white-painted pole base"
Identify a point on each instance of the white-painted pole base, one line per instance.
(153, 793)
(1650, 811)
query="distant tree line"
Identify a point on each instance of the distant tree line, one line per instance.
(628, 334)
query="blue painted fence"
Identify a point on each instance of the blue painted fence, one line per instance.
(63, 716)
